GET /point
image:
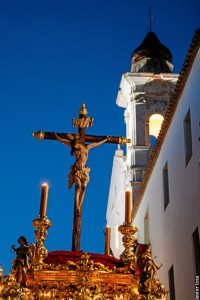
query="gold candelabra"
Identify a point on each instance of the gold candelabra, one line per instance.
(128, 231)
(39, 252)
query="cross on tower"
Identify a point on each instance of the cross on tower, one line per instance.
(80, 144)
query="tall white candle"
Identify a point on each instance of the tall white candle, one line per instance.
(107, 245)
(128, 207)
(44, 198)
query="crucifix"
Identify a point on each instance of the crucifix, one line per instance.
(80, 144)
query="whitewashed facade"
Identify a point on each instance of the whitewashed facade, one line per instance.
(167, 207)
(171, 229)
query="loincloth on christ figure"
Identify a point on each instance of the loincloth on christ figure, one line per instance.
(79, 176)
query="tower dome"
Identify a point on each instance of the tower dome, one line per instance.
(151, 56)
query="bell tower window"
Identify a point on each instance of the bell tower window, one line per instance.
(155, 122)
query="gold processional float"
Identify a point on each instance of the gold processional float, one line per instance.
(70, 275)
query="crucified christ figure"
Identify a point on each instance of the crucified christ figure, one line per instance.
(80, 144)
(79, 172)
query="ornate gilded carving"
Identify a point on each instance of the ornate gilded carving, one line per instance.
(128, 256)
(85, 279)
(149, 282)
(39, 135)
(83, 276)
(38, 252)
(80, 276)
(123, 140)
(20, 263)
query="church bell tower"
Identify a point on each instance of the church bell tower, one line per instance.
(144, 94)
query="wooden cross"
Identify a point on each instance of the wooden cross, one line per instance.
(80, 144)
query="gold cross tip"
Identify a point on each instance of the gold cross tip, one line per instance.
(83, 110)
(38, 135)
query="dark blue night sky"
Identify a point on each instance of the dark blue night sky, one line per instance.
(54, 55)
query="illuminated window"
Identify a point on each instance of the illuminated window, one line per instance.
(155, 123)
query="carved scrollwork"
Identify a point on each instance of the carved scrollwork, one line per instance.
(38, 251)
(128, 231)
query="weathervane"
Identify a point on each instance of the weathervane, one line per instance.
(80, 144)
(150, 18)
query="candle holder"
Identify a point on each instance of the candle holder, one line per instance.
(128, 231)
(41, 225)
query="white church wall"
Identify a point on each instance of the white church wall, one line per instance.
(116, 209)
(171, 229)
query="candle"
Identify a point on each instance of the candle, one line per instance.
(1, 275)
(43, 201)
(128, 207)
(107, 245)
